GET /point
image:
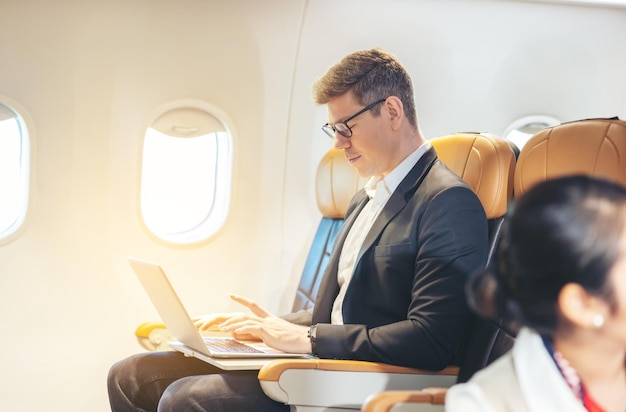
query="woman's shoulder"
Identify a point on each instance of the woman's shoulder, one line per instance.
(494, 388)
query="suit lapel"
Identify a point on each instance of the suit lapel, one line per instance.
(398, 199)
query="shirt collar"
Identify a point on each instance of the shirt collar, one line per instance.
(380, 188)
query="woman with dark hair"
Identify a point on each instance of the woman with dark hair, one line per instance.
(560, 273)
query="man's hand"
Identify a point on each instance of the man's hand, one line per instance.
(274, 331)
(213, 321)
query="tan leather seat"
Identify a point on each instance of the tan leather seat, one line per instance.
(594, 147)
(486, 163)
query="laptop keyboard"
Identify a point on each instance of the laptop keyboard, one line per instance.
(229, 345)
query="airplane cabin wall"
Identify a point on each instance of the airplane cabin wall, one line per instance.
(90, 74)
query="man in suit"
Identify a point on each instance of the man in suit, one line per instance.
(393, 289)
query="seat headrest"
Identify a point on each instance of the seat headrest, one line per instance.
(593, 147)
(336, 183)
(486, 162)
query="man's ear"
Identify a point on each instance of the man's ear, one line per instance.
(581, 308)
(395, 108)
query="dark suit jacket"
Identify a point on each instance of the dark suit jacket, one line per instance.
(405, 303)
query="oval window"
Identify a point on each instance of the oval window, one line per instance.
(14, 170)
(521, 130)
(186, 174)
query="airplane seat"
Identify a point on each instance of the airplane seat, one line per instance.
(335, 184)
(486, 162)
(594, 147)
(486, 339)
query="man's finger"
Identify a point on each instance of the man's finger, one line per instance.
(250, 304)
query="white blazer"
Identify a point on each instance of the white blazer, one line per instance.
(526, 379)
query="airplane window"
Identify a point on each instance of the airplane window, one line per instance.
(521, 130)
(186, 175)
(14, 171)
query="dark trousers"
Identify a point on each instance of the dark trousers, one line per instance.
(169, 381)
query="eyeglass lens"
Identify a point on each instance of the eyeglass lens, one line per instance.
(342, 127)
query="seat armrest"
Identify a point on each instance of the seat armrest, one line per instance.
(426, 400)
(153, 336)
(330, 383)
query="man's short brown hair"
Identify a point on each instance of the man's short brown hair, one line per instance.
(370, 75)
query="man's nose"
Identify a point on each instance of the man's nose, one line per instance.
(340, 142)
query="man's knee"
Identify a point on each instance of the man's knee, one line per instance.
(121, 370)
(116, 372)
(183, 395)
(118, 387)
(133, 385)
(225, 392)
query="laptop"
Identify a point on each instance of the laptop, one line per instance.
(221, 351)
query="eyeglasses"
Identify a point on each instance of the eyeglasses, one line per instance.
(342, 127)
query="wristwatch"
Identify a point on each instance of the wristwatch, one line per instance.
(312, 335)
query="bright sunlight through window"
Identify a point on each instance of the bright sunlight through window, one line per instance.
(14, 164)
(186, 176)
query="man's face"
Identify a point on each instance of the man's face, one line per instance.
(370, 149)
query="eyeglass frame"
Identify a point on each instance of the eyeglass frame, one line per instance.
(330, 130)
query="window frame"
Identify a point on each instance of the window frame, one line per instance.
(209, 227)
(27, 164)
(526, 121)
